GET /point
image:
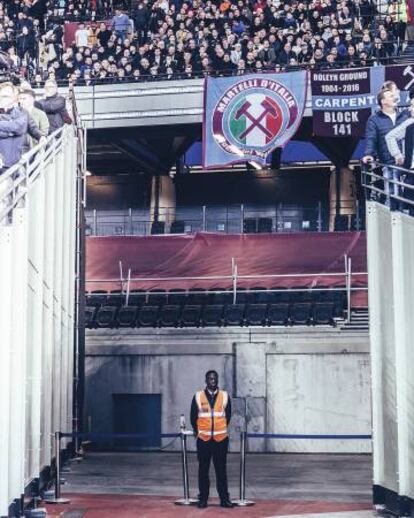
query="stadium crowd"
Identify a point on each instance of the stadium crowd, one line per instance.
(186, 38)
(25, 121)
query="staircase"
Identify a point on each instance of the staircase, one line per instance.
(359, 321)
(407, 56)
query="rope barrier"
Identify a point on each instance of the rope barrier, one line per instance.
(107, 435)
(303, 436)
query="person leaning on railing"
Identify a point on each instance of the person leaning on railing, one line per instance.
(404, 155)
(15, 124)
(378, 125)
(27, 99)
(54, 105)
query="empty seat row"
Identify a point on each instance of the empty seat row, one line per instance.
(201, 297)
(173, 315)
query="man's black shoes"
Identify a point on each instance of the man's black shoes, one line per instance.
(202, 504)
(226, 503)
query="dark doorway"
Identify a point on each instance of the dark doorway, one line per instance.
(137, 413)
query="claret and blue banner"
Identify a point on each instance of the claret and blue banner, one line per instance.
(343, 100)
(247, 117)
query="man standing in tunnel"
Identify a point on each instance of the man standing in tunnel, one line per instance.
(210, 419)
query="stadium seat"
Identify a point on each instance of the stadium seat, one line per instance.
(127, 316)
(339, 299)
(234, 315)
(90, 313)
(257, 295)
(115, 298)
(106, 316)
(136, 297)
(241, 296)
(158, 227)
(300, 313)
(304, 295)
(256, 314)
(323, 295)
(177, 297)
(157, 297)
(225, 297)
(169, 315)
(148, 316)
(190, 316)
(278, 314)
(177, 227)
(197, 296)
(212, 315)
(249, 226)
(96, 298)
(281, 296)
(323, 313)
(264, 225)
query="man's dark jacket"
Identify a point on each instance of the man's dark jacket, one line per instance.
(13, 130)
(378, 125)
(55, 109)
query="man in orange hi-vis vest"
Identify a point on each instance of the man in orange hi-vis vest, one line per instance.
(210, 418)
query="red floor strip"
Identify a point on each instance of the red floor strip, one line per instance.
(137, 506)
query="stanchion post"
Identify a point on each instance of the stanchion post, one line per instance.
(57, 499)
(186, 500)
(242, 502)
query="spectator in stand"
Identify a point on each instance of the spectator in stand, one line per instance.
(82, 36)
(266, 32)
(400, 142)
(54, 105)
(15, 124)
(379, 124)
(121, 24)
(27, 99)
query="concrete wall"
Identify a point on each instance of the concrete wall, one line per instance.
(307, 381)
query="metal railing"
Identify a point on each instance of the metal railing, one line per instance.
(390, 185)
(15, 181)
(350, 282)
(398, 58)
(233, 219)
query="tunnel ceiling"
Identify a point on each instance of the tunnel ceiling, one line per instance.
(152, 150)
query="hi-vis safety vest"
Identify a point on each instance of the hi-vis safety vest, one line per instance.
(212, 422)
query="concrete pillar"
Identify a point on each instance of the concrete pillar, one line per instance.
(347, 193)
(163, 200)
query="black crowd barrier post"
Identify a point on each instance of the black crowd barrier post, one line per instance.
(242, 502)
(57, 498)
(186, 500)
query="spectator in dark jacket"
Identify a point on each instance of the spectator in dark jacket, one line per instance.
(379, 124)
(13, 126)
(54, 105)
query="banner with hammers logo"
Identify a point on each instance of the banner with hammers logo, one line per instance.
(246, 118)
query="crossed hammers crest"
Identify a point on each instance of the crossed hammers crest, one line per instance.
(268, 109)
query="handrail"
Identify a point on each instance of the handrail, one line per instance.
(371, 181)
(15, 182)
(228, 277)
(395, 59)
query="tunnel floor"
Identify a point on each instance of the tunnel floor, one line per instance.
(145, 484)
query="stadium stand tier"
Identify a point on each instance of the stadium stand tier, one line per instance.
(95, 42)
(289, 279)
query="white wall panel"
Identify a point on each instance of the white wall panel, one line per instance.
(37, 276)
(318, 394)
(403, 275)
(391, 300)
(385, 441)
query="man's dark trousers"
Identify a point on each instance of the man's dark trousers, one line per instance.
(206, 450)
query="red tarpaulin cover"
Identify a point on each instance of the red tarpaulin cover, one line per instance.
(208, 254)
